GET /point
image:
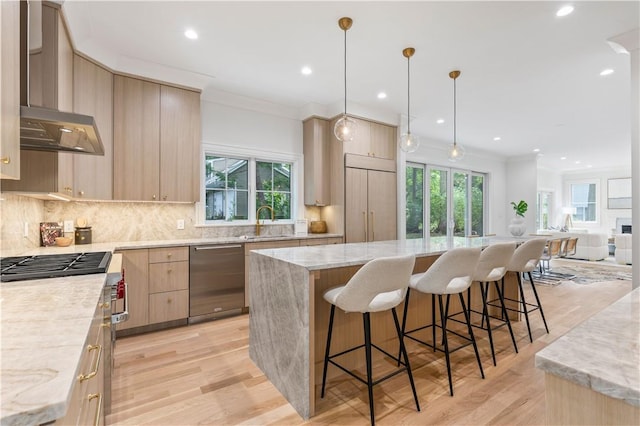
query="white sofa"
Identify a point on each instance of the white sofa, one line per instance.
(623, 249)
(590, 246)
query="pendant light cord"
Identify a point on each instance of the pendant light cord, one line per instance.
(408, 96)
(345, 73)
(454, 113)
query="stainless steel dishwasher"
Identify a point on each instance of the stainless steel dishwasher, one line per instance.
(216, 280)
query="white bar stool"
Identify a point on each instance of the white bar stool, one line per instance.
(450, 274)
(525, 259)
(492, 267)
(380, 285)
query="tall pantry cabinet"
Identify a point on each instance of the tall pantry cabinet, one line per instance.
(156, 141)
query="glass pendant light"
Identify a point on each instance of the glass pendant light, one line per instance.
(409, 142)
(345, 127)
(456, 152)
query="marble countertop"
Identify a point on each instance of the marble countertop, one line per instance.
(44, 326)
(130, 245)
(339, 255)
(602, 353)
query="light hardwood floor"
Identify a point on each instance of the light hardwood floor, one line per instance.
(202, 374)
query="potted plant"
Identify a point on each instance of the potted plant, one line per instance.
(518, 227)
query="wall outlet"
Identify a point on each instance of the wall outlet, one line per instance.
(180, 224)
(26, 230)
(68, 226)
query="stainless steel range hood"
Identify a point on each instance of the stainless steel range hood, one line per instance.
(45, 129)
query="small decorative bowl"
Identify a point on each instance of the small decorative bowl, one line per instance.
(63, 241)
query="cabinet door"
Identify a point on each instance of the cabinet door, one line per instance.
(361, 144)
(136, 273)
(10, 89)
(64, 101)
(168, 306)
(356, 211)
(316, 162)
(179, 144)
(93, 95)
(383, 141)
(382, 205)
(168, 276)
(136, 139)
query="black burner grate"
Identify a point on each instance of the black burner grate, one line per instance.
(53, 265)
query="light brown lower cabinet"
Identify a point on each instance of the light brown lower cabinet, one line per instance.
(158, 285)
(86, 405)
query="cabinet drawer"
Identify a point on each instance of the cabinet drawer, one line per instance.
(314, 242)
(168, 254)
(168, 306)
(168, 276)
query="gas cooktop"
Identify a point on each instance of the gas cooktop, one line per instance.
(53, 265)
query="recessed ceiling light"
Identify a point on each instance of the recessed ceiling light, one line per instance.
(440, 120)
(497, 138)
(382, 95)
(608, 71)
(536, 150)
(563, 158)
(306, 70)
(191, 34)
(564, 11)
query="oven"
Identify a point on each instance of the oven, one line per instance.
(114, 296)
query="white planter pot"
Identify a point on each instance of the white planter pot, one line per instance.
(517, 227)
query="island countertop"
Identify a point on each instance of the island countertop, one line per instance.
(602, 353)
(316, 258)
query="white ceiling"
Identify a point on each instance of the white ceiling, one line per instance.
(528, 76)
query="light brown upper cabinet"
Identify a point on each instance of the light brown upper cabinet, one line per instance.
(370, 199)
(93, 95)
(317, 190)
(372, 140)
(156, 141)
(10, 90)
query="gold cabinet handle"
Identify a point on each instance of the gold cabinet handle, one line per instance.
(81, 193)
(106, 324)
(373, 229)
(364, 221)
(96, 363)
(169, 254)
(105, 305)
(5, 160)
(153, 197)
(91, 397)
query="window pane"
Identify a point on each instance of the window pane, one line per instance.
(415, 202)
(583, 198)
(477, 205)
(226, 188)
(273, 186)
(438, 203)
(459, 203)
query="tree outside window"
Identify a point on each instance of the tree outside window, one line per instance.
(273, 187)
(226, 188)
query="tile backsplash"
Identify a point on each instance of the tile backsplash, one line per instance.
(112, 221)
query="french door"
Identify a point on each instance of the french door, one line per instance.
(452, 203)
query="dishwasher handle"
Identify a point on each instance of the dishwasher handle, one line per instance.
(217, 247)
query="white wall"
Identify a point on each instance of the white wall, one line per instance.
(231, 125)
(435, 153)
(522, 184)
(606, 217)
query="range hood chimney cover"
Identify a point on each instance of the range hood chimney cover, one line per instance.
(45, 129)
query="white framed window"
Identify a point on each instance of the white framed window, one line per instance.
(584, 198)
(237, 181)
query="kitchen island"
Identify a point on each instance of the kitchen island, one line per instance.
(592, 373)
(289, 318)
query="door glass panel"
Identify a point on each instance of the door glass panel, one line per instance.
(415, 201)
(477, 205)
(459, 203)
(438, 203)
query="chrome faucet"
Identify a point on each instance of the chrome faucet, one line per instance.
(273, 218)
